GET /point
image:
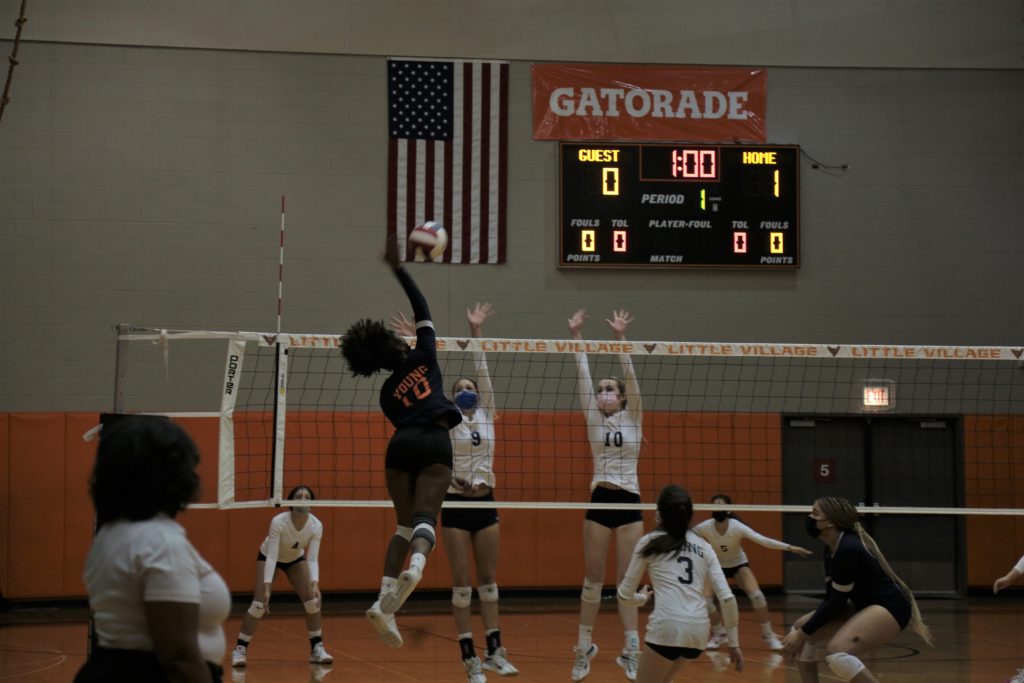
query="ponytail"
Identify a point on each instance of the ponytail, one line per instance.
(916, 621)
(675, 507)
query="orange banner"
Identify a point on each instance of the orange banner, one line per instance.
(649, 102)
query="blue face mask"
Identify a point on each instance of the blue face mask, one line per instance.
(466, 399)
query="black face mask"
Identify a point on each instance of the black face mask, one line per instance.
(720, 515)
(812, 527)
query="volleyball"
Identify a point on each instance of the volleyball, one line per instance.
(430, 239)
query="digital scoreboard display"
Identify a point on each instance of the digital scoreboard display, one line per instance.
(679, 206)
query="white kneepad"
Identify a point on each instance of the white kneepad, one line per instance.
(844, 665)
(591, 591)
(257, 609)
(488, 592)
(462, 596)
(757, 600)
(312, 606)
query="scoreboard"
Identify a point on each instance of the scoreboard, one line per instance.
(679, 206)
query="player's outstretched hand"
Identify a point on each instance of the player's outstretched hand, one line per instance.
(576, 323)
(619, 323)
(1001, 583)
(402, 325)
(477, 315)
(803, 552)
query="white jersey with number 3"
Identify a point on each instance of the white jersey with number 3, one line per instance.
(680, 616)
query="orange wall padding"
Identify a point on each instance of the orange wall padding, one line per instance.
(44, 471)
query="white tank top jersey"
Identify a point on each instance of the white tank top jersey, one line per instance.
(728, 545)
(680, 616)
(614, 439)
(285, 543)
(473, 439)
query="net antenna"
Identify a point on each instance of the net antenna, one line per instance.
(281, 372)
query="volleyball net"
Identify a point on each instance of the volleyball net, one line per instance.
(773, 425)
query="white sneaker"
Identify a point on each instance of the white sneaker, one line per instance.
(391, 601)
(716, 641)
(628, 660)
(581, 664)
(498, 662)
(319, 655)
(773, 642)
(473, 672)
(238, 656)
(385, 624)
(1017, 677)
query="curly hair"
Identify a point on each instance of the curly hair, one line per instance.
(675, 507)
(145, 465)
(369, 347)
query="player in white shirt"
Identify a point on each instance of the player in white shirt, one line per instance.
(1005, 582)
(472, 530)
(157, 605)
(614, 416)
(679, 562)
(293, 546)
(726, 533)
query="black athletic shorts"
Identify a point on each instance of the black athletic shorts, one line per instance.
(899, 609)
(673, 653)
(614, 518)
(283, 566)
(732, 571)
(414, 447)
(469, 519)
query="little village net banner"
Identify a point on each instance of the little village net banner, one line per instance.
(649, 102)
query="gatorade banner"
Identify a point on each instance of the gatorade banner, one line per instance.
(649, 102)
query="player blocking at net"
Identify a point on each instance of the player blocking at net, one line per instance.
(418, 463)
(614, 417)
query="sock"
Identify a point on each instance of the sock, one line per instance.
(244, 640)
(314, 638)
(632, 641)
(586, 632)
(766, 629)
(493, 640)
(466, 645)
(387, 584)
(418, 560)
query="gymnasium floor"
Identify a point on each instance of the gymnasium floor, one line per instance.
(978, 639)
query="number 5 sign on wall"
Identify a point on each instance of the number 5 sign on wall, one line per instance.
(824, 470)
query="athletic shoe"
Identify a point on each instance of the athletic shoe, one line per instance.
(1018, 677)
(581, 665)
(773, 642)
(385, 624)
(498, 662)
(628, 660)
(473, 672)
(391, 601)
(238, 656)
(319, 655)
(716, 641)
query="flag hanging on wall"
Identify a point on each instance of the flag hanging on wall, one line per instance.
(448, 154)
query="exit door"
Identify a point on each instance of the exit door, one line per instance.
(904, 462)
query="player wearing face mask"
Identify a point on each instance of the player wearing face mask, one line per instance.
(725, 532)
(614, 418)
(472, 529)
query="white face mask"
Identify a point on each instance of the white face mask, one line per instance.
(607, 400)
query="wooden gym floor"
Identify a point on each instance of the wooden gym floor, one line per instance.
(978, 639)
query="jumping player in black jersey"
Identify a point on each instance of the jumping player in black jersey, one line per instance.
(855, 570)
(418, 465)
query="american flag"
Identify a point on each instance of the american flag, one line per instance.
(448, 154)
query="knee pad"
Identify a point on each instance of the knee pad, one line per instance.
(844, 665)
(404, 531)
(424, 528)
(757, 599)
(809, 653)
(312, 606)
(462, 596)
(591, 591)
(257, 609)
(488, 592)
